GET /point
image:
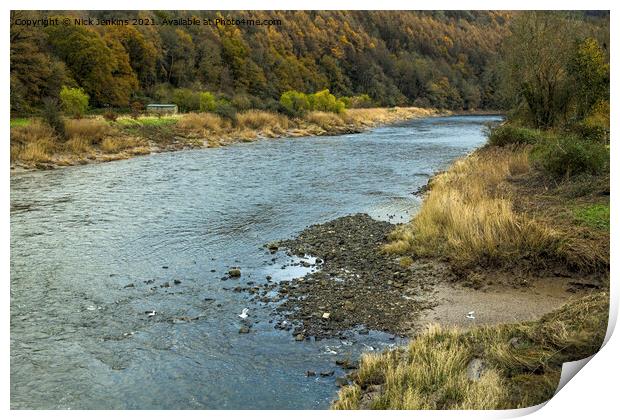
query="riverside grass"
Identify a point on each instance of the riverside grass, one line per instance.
(488, 210)
(468, 214)
(94, 139)
(521, 363)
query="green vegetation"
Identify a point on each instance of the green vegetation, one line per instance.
(325, 102)
(53, 118)
(74, 101)
(20, 122)
(360, 101)
(569, 155)
(294, 103)
(555, 72)
(593, 215)
(297, 104)
(519, 364)
(507, 134)
(208, 102)
(469, 214)
(148, 121)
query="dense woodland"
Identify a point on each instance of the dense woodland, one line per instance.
(439, 59)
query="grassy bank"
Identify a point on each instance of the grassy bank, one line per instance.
(498, 209)
(531, 201)
(35, 145)
(500, 367)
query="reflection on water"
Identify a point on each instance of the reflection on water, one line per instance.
(95, 249)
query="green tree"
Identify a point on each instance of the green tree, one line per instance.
(326, 102)
(186, 99)
(294, 103)
(74, 101)
(208, 102)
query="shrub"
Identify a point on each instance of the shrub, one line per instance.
(242, 102)
(569, 155)
(208, 102)
(51, 115)
(186, 99)
(326, 102)
(591, 131)
(506, 134)
(74, 101)
(136, 109)
(595, 126)
(295, 103)
(226, 110)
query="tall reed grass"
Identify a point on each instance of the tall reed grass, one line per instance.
(468, 215)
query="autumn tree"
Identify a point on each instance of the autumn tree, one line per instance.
(102, 69)
(589, 69)
(536, 55)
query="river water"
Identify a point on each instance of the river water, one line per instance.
(92, 248)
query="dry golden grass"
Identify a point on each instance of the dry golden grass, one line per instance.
(34, 131)
(117, 144)
(325, 120)
(36, 142)
(203, 121)
(33, 143)
(468, 215)
(41, 150)
(92, 129)
(370, 117)
(78, 145)
(521, 363)
(262, 120)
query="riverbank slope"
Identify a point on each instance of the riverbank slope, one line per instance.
(505, 224)
(35, 146)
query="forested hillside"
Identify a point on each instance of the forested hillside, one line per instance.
(439, 59)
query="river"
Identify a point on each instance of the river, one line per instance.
(93, 249)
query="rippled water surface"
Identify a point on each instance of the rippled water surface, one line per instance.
(92, 246)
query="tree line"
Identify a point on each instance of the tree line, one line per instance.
(441, 59)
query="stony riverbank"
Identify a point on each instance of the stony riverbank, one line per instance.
(356, 286)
